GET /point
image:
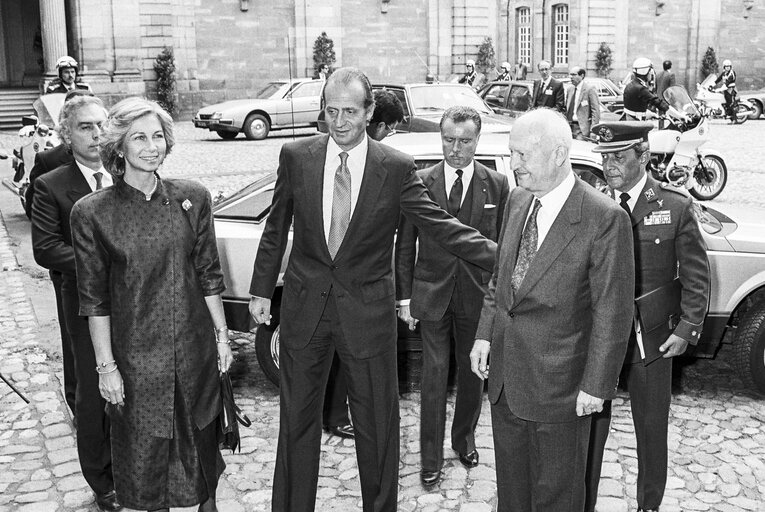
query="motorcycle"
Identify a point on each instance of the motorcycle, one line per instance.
(707, 96)
(676, 155)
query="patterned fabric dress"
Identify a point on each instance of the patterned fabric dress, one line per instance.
(149, 265)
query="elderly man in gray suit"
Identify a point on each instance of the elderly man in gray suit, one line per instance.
(582, 105)
(553, 320)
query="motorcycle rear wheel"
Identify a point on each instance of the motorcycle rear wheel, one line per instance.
(711, 175)
(742, 112)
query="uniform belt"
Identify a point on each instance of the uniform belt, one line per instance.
(638, 115)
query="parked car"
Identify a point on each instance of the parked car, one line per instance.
(424, 104)
(513, 98)
(290, 103)
(735, 238)
(756, 99)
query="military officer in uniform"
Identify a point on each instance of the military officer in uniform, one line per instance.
(638, 97)
(672, 292)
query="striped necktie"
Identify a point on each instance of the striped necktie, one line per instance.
(341, 206)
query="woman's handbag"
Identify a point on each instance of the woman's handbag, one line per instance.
(230, 416)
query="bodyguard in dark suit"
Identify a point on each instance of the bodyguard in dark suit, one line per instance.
(668, 247)
(446, 293)
(56, 193)
(343, 194)
(548, 92)
(554, 321)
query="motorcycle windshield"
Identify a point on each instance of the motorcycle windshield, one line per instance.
(709, 80)
(678, 98)
(48, 107)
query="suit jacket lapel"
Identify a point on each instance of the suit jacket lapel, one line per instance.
(436, 184)
(519, 204)
(79, 185)
(559, 236)
(646, 201)
(479, 193)
(314, 190)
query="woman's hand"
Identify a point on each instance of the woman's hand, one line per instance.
(111, 387)
(225, 357)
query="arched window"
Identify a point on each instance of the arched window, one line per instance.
(524, 34)
(560, 35)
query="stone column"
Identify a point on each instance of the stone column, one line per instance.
(53, 28)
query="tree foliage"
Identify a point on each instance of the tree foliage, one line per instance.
(164, 66)
(709, 63)
(486, 59)
(603, 59)
(323, 52)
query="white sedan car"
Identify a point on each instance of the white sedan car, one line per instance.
(735, 239)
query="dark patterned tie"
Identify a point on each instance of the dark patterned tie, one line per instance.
(341, 206)
(98, 176)
(527, 249)
(455, 195)
(624, 198)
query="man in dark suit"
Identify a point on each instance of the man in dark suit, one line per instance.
(669, 250)
(446, 293)
(583, 110)
(554, 320)
(81, 120)
(343, 194)
(548, 92)
(665, 79)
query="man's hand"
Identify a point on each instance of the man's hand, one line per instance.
(674, 346)
(479, 358)
(588, 404)
(405, 315)
(260, 309)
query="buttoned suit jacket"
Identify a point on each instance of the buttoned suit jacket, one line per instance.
(664, 80)
(361, 274)
(566, 327)
(55, 195)
(431, 281)
(664, 251)
(555, 100)
(45, 161)
(587, 110)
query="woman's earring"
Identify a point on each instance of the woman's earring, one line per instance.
(120, 155)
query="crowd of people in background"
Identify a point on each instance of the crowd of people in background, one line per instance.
(539, 286)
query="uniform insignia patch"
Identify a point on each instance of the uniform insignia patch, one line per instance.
(606, 134)
(661, 203)
(658, 218)
(649, 194)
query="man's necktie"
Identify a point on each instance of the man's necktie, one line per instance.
(98, 176)
(527, 249)
(341, 206)
(624, 198)
(455, 195)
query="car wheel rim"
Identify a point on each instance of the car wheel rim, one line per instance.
(275, 347)
(258, 128)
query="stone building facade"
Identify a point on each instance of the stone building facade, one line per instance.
(230, 48)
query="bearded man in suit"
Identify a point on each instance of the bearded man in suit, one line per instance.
(548, 92)
(343, 193)
(80, 124)
(553, 320)
(445, 293)
(583, 110)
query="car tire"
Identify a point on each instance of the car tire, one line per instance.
(267, 350)
(756, 109)
(227, 135)
(256, 127)
(749, 347)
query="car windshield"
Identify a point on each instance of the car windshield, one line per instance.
(253, 202)
(272, 90)
(437, 98)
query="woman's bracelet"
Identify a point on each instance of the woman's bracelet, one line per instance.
(101, 369)
(218, 332)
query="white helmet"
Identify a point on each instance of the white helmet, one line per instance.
(506, 66)
(727, 62)
(642, 66)
(66, 62)
(470, 62)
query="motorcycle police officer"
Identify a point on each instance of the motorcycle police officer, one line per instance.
(637, 94)
(672, 291)
(68, 70)
(728, 80)
(506, 74)
(471, 76)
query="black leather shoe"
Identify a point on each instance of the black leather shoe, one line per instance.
(107, 502)
(345, 431)
(469, 460)
(429, 478)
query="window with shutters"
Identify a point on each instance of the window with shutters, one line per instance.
(560, 35)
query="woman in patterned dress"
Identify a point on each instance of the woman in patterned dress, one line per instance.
(149, 282)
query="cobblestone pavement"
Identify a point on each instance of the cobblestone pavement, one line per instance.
(717, 428)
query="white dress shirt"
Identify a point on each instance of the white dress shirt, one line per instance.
(552, 204)
(87, 172)
(357, 158)
(450, 176)
(634, 193)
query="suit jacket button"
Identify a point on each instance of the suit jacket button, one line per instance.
(334, 267)
(323, 294)
(511, 314)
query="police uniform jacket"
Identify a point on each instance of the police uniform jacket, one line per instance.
(668, 244)
(639, 98)
(61, 88)
(727, 78)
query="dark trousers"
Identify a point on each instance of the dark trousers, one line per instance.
(373, 398)
(436, 349)
(93, 442)
(650, 390)
(730, 97)
(540, 466)
(67, 357)
(335, 411)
